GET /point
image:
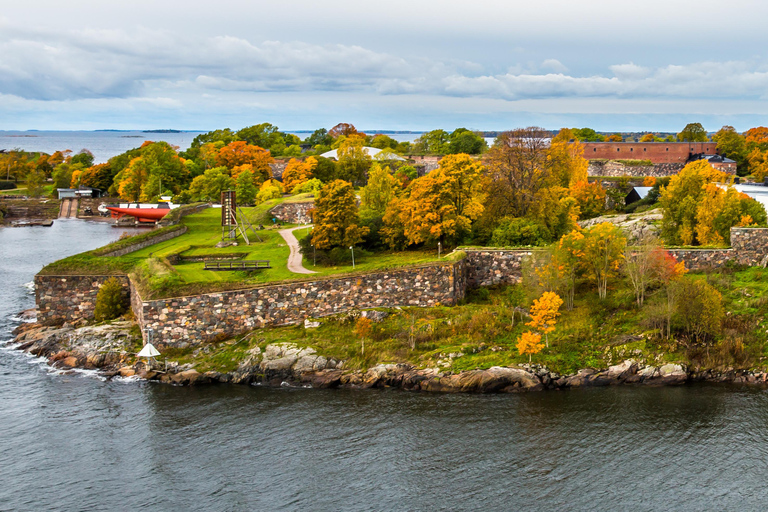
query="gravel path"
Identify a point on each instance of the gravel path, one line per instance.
(294, 260)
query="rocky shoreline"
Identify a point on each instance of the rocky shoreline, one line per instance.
(102, 348)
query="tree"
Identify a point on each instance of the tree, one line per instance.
(319, 137)
(336, 217)
(693, 132)
(441, 205)
(721, 209)
(326, 170)
(209, 185)
(603, 253)
(345, 129)
(379, 191)
(529, 343)
(700, 307)
(639, 265)
(62, 176)
(516, 232)
(731, 144)
(648, 137)
(434, 142)
(566, 159)
(667, 271)
(110, 300)
(590, 197)
(517, 169)
(353, 160)
(587, 135)
(84, 157)
(264, 135)
(298, 172)
(240, 153)
(363, 330)
(382, 141)
(245, 187)
(680, 201)
(270, 189)
(568, 257)
(544, 313)
(465, 141)
(615, 137)
(156, 170)
(35, 183)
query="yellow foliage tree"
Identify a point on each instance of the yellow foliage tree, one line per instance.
(529, 343)
(603, 254)
(591, 198)
(544, 313)
(336, 217)
(363, 330)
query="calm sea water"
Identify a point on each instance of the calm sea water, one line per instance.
(75, 442)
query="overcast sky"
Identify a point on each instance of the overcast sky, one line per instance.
(397, 64)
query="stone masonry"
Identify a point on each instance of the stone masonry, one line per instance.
(293, 213)
(189, 320)
(488, 267)
(66, 298)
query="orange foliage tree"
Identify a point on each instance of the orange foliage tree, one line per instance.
(544, 313)
(590, 197)
(298, 172)
(336, 217)
(529, 343)
(240, 153)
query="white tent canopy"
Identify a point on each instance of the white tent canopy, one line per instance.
(372, 152)
(149, 350)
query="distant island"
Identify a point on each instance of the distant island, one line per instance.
(161, 131)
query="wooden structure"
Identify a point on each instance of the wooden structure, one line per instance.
(237, 265)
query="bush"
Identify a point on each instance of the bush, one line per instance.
(333, 257)
(111, 301)
(513, 232)
(699, 308)
(7, 185)
(313, 185)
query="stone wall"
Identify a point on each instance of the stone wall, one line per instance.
(66, 298)
(293, 213)
(189, 320)
(703, 259)
(618, 169)
(750, 245)
(488, 267)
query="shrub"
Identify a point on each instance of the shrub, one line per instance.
(111, 301)
(7, 185)
(699, 308)
(313, 185)
(513, 232)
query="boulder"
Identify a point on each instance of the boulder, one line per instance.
(127, 371)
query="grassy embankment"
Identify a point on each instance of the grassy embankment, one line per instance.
(157, 277)
(594, 334)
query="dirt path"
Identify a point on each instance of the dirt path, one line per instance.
(294, 260)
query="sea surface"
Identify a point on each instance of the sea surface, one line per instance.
(73, 441)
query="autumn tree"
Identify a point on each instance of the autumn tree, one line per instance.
(544, 313)
(648, 137)
(441, 205)
(615, 137)
(529, 343)
(700, 307)
(344, 129)
(336, 217)
(298, 172)
(680, 201)
(35, 183)
(566, 159)
(693, 132)
(156, 170)
(720, 209)
(603, 254)
(590, 198)
(270, 189)
(667, 271)
(569, 256)
(639, 264)
(363, 330)
(240, 153)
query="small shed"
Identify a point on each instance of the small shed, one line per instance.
(636, 194)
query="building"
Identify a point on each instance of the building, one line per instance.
(70, 193)
(372, 152)
(656, 152)
(719, 162)
(636, 194)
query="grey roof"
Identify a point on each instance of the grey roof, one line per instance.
(642, 191)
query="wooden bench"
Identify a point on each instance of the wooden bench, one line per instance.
(237, 265)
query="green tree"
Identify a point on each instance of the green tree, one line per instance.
(83, 157)
(693, 132)
(35, 183)
(336, 217)
(465, 141)
(325, 170)
(353, 160)
(699, 307)
(264, 135)
(245, 188)
(587, 135)
(434, 142)
(111, 300)
(62, 176)
(209, 185)
(731, 144)
(319, 137)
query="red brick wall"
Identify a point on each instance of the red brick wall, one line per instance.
(656, 152)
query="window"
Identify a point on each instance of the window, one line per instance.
(645, 149)
(618, 149)
(594, 149)
(667, 149)
(631, 150)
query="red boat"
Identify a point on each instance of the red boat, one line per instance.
(143, 212)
